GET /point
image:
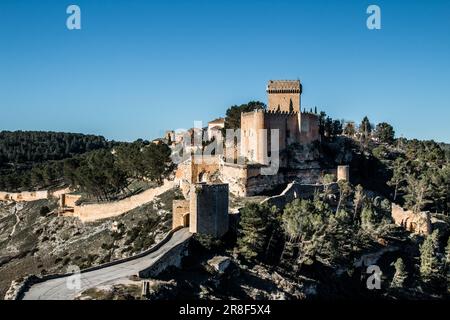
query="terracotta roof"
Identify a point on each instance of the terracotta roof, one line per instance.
(284, 85)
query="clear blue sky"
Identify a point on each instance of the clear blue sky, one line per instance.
(140, 67)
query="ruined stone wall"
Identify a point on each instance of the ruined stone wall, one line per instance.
(69, 200)
(296, 190)
(195, 171)
(25, 196)
(203, 168)
(209, 209)
(419, 223)
(59, 192)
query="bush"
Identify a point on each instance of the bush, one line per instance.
(44, 211)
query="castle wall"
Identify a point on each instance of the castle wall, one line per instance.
(282, 101)
(256, 126)
(276, 121)
(204, 168)
(309, 127)
(297, 191)
(68, 200)
(93, 212)
(188, 173)
(252, 141)
(180, 210)
(25, 196)
(209, 209)
(236, 177)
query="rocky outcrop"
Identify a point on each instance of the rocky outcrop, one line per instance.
(18, 287)
(220, 264)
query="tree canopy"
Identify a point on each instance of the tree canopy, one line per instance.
(233, 114)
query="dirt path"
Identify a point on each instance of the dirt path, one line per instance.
(16, 209)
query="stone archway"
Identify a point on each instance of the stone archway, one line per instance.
(203, 177)
(186, 220)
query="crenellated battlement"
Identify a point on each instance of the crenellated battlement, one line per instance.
(284, 113)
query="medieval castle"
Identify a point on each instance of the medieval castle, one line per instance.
(263, 132)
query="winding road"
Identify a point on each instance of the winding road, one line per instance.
(63, 288)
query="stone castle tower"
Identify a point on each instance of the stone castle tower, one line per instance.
(283, 114)
(284, 95)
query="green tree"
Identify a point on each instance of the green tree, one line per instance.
(358, 200)
(400, 274)
(365, 130)
(349, 129)
(367, 217)
(447, 253)
(430, 266)
(345, 190)
(385, 133)
(304, 223)
(327, 180)
(447, 264)
(399, 171)
(233, 114)
(255, 230)
(157, 163)
(417, 192)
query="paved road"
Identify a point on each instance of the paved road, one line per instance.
(57, 289)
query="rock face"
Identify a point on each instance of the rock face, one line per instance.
(418, 223)
(16, 288)
(220, 263)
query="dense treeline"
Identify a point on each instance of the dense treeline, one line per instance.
(38, 176)
(24, 147)
(329, 233)
(105, 174)
(413, 173)
(100, 169)
(421, 176)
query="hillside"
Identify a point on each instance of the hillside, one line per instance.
(32, 159)
(33, 241)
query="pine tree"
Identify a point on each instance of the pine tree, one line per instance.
(253, 231)
(365, 130)
(399, 171)
(291, 106)
(367, 217)
(400, 274)
(358, 199)
(447, 264)
(345, 189)
(429, 262)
